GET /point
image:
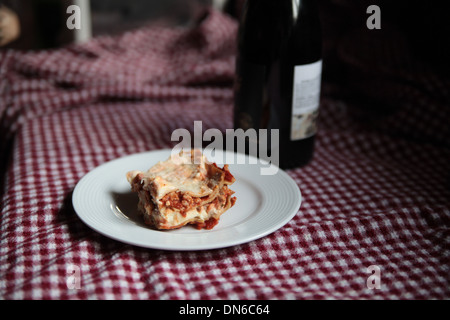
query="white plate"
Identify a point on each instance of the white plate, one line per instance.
(103, 200)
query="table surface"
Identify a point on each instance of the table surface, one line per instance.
(375, 199)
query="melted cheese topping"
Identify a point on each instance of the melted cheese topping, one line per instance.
(170, 175)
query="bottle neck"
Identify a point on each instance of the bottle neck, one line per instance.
(288, 8)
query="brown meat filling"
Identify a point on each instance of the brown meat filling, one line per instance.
(180, 201)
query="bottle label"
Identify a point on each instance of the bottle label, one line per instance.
(305, 100)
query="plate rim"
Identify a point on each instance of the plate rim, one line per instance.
(265, 232)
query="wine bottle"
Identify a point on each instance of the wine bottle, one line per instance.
(278, 75)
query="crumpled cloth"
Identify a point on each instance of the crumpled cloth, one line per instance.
(370, 197)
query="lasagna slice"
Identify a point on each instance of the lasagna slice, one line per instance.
(187, 189)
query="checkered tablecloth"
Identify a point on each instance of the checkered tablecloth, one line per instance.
(375, 199)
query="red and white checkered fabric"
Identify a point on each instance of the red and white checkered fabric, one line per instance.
(370, 197)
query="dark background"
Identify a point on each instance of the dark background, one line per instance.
(425, 23)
